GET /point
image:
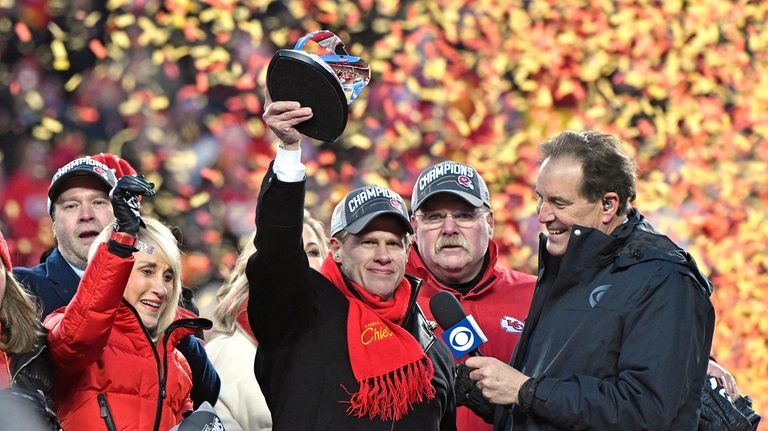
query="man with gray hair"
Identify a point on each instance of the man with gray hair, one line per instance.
(620, 326)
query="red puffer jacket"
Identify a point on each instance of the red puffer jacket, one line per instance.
(105, 363)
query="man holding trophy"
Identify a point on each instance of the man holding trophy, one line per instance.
(345, 348)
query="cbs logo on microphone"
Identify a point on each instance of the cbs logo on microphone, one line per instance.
(464, 337)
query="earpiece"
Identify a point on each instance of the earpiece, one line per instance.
(606, 205)
(335, 256)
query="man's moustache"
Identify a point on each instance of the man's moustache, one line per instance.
(451, 241)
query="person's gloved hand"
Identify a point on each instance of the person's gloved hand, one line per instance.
(125, 202)
(468, 395)
(463, 385)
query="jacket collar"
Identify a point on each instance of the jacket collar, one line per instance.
(420, 270)
(186, 323)
(60, 274)
(57, 267)
(633, 242)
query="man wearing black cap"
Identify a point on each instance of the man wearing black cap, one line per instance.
(453, 251)
(346, 348)
(78, 202)
(79, 205)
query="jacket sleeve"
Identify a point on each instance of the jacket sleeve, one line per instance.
(77, 335)
(665, 348)
(280, 303)
(205, 380)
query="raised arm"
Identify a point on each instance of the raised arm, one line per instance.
(77, 335)
(280, 302)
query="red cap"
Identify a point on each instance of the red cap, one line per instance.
(119, 166)
(5, 255)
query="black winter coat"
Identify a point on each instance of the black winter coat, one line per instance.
(29, 402)
(32, 370)
(299, 318)
(619, 332)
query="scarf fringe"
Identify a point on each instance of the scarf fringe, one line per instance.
(392, 395)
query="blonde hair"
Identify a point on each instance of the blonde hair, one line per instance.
(316, 226)
(20, 317)
(156, 237)
(234, 291)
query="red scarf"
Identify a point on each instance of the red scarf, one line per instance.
(5, 366)
(387, 362)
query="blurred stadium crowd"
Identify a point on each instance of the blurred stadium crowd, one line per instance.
(176, 88)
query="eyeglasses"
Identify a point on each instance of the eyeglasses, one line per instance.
(436, 219)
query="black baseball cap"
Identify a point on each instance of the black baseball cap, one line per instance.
(84, 166)
(451, 177)
(360, 206)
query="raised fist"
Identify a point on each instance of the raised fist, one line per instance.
(125, 202)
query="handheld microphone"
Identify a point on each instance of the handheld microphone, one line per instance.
(460, 332)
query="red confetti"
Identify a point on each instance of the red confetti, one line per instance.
(97, 48)
(22, 31)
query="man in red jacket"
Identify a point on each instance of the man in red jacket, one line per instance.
(453, 251)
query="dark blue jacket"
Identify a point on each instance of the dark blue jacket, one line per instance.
(618, 333)
(54, 283)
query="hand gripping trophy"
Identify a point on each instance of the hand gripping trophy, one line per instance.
(327, 82)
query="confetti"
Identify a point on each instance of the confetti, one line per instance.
(23, 32)
(179, 90)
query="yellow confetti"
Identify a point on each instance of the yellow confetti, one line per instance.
(125, 20)
(159, 103)
(41, 133)
(121, 40)
(34, 100)
(73, 82)
(60, 58)
(130, 107)
(53, 125)
(199, 199)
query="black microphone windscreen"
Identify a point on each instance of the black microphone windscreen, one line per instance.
(446, 309)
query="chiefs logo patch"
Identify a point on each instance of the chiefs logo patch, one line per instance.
(465, 182)
(512, 325)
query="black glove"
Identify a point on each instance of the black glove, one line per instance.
(125, 202)
(468, 395)
(718, 413)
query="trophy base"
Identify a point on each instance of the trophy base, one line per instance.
(296, 76)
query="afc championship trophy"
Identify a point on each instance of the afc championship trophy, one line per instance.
(327, 83)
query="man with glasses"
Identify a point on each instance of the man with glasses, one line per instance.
(453, 250)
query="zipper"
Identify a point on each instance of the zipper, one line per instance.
(27, 362)
(415, 283)
(105, 412)
(160, 380)
(162, 367)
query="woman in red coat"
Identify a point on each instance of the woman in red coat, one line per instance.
(112, 347)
